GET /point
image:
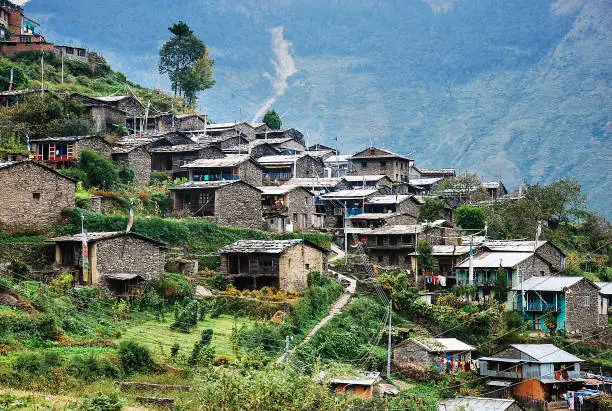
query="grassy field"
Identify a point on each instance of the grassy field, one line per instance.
(159, 337)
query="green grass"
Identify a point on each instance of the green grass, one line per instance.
(159, 337)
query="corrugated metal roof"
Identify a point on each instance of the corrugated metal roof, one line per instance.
(181, 148)
(496, 260)
(230, 160)
(61, 139)
(342, 158)
(388, 199)
(442, 344)
(314, 182)
(513, 246)
(451, 249)
(605, 288)
(350, 194)
(474, 404)
(278, 190)
(373, 177)
(286, 159)
(425, 181)
(436, 170)
(373, 216)
(546, 353)
(547, 283)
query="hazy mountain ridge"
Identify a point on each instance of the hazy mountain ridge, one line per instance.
(517, 88)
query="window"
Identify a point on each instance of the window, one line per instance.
(381, 259)
(244, 264)
(392, 240)
(364, 165)
(36, 196)
(587, 301)
(307, 266)
(380, 240)
(383, 164)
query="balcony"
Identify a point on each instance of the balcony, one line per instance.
(388, 246)
(537, 306)
(278, 176)
(275, 210)
(498, 374)
(216, 177)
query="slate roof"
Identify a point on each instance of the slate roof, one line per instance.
(397, 229)
(436, 170)
(547, 283)
(284, 159)
(94, 237)
(496, 260)
(386, 154)
(342, 158)
(9, 164)
(449, 250)
(61, 139)
(264, 246)
(270, 141)
(373, 216)
(546, 353)
(491, 184)
(230, 160)
(191, 185)
(181, 148)
(480, 404)
(513, 246)
(110, 99)
(425, 181)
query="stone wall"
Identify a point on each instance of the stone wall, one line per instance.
(534, 267)
(582, 308)
(391, 258)
(410, 207)
(97, 144)
(263, 150)
(251, 173)
(552, 255)
(140, 160)
(238, 205)
(395, 169)
(131, 106)
(129, 254)
(33, 195)
(309, 167)
(103, 116)
(296, 263)
(412, 352)
(300, 206)
(439, 236)
(211, 152)
(403, 219)
(190, 123)
(39, 256)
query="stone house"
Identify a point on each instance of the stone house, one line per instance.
(369, 181)
(285, 145)
(232, 203)
(255, 150)
(431, 352)
(392, 245)
(280, 168)
(361, 384)
(280, 264)
(320, 186)
(605, 299)
(229, 168)
(129, 104)
(337, 165)
(73, 53)
(495, 189)
(378, 161)
(545, 249)
(418, 172)
(531, 372)
(138, 159)
(189, 122)
(231, 129)
(171, 159)
(120, 261)
(58, 152)
(334, 204)
(488, 263)
(425, 186)
(33, 195)
(105, 117)
(289, 209)
(376, 220)
(573, 303)
(289, 133)
(400, 204)
(446, 257)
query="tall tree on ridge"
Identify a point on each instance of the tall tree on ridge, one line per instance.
(185, 59)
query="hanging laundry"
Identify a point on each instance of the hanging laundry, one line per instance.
(442, 281)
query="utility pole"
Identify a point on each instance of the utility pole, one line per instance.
(62, 66)
(11, 82)
(287, 348)
(345, 211)
(389, 343)
(42, 70)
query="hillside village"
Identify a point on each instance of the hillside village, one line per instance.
(187, 261)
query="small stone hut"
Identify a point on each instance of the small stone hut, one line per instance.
(120, 261)
(431, 351)
(281, 264)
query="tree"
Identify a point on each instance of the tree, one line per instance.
(470, 217)
(501, 286)
(466, 186)
(273, 120)
(20, 79)
(432, 210)
(185, 59)
(100, 171)
(425, 256)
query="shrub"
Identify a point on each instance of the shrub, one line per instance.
(101, 172)
(174, 350)
(36, 363)
(102, 402)
(19, 269)
(222, 360)
(470, 217)
(75, 173)
(90, 367)
(206, 337)
(187, 317)
(134, 357)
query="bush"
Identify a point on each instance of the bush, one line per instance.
(470, 217)
(37, 363)
(134, 357)
(174, 350)
(19, 269)
(187, 317)
(101, 172)
(89, 368)
(222, 360)
(75, 173)
(102, 402)
(206, 337)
